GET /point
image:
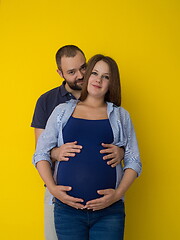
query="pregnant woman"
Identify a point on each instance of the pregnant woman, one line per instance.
(91, 121)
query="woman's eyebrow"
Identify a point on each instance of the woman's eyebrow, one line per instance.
(103, 73)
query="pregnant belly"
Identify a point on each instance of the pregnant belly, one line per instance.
(86, 173)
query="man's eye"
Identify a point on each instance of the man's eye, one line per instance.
(71, 72)
(83, 68)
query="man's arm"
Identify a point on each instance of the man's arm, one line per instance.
(62, 153)
(65, 151)
(114, 153)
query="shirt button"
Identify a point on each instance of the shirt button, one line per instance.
(70, 94)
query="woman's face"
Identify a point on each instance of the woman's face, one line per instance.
(99, 79)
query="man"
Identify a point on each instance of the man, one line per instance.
(71, 65)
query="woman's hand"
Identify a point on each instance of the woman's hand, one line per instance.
(115, 153)
(113, 195)
(65, 151)
(110, 197)
(60, 192)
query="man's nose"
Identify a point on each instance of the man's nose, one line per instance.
(80, 75)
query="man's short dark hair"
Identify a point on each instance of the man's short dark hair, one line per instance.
(67, 51)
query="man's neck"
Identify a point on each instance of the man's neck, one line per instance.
(75, 93)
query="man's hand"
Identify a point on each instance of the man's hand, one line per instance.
(116, 154)
(65, 151)
(110, 197)
(60, 192)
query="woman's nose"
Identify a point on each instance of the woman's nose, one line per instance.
(98, 79)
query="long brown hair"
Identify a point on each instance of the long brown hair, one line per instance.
(114, 92)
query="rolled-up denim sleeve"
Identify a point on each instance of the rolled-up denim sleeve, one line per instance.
(131, 156)
(47, 140)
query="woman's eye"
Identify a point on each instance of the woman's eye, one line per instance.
(106, 77)
(94, 73)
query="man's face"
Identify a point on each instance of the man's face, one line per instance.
(72, 70)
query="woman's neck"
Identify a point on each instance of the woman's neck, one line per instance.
(94, 102)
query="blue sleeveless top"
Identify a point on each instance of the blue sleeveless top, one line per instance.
(87, 172)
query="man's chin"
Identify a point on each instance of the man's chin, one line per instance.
(76, 87)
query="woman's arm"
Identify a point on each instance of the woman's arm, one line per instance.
(113, 195)
(47, 140)
(131, 156)
(58, 191)
(42, 160)
(45, 172)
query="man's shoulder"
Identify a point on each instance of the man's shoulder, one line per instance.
(51, 92)
(67, 105)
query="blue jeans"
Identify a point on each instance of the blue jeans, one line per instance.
(77, 224)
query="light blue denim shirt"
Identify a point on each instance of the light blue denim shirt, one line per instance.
(123, 131)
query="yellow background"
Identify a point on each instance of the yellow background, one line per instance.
(143, 37)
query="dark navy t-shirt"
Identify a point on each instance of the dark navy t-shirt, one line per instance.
(87, 172)
(46, 104)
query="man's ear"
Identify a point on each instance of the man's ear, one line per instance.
(60, 72)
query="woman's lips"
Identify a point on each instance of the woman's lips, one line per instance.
(96, 86)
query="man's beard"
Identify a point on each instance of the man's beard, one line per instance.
(75, 86)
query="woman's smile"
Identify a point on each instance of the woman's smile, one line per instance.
(96, 86)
